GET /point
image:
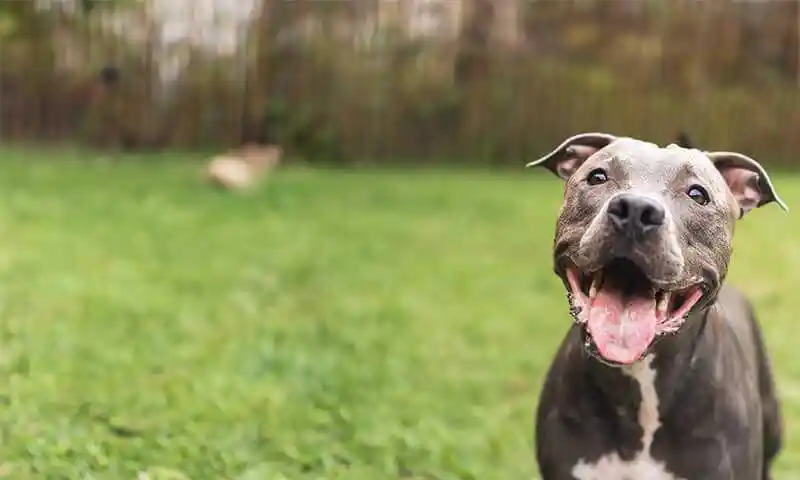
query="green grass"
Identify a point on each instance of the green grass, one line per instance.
(337, 325)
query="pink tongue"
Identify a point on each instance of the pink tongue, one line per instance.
(622, 331)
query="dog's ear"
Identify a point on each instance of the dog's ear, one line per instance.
(683, 140)
(747, 179)
(567, 157)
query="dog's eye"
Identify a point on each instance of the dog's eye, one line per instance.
(698, 194)
(596, 177)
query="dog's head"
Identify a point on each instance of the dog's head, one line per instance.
(644, 234)
(260, 159)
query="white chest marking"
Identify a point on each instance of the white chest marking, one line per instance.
(643, 465)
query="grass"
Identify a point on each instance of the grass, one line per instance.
(337, 325)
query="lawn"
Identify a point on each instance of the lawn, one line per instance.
(336, 325)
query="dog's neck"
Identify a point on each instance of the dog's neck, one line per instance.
(671, 357)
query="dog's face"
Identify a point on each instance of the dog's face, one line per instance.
(644, 234)
(260, 158)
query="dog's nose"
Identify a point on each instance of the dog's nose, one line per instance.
(635, 214)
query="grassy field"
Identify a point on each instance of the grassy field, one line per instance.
(337, 325)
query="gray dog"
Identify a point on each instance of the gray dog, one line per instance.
(663, 375)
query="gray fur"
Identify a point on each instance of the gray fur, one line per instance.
(719, 412)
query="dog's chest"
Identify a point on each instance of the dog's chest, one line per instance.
(642, 466)
(612, 467)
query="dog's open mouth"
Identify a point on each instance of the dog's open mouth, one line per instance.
(623, 311)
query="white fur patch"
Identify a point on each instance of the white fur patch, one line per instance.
(642, 465)
(231, 172)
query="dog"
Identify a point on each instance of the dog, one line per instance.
(683, 140)
(244, 167)
(664, 374)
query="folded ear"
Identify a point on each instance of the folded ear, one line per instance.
(567, 157)
(683, 140)
(747, 179)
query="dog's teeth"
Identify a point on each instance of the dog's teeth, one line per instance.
(663, 302)
(597, 282)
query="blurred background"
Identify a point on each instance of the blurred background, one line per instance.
(380, 80)
(341, 320)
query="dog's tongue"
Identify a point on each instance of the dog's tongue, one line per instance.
(622, 328)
